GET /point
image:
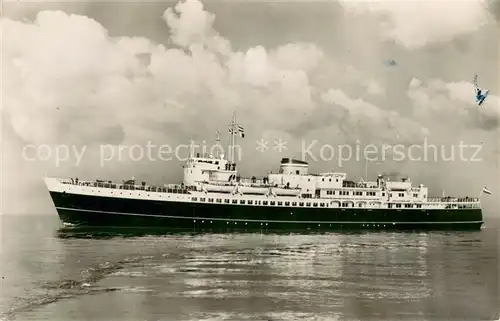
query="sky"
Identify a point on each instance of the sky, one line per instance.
(88, 77)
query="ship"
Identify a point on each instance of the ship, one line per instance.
(213, 196)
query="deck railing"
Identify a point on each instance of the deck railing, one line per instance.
(168, 188)
(182, 189)
(453, 199)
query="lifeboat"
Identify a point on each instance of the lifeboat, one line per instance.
(286, 191)
(255, 190)
(218, 188)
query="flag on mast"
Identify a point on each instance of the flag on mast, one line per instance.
(238, 130)
(241, 131)
(217, 135)
(486, 191)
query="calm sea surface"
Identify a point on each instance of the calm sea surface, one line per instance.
(53, 274)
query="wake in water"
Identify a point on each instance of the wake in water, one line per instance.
(66, 289)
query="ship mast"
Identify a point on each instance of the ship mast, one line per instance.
(232, 131)
(217, 143)
(235, 129)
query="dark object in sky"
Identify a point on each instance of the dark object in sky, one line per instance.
(481, 94)
(390, 62)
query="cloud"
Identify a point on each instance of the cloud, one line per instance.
(379, 124)
(66, 72)
(404, 21)
(374, 88)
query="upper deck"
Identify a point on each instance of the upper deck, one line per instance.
(351, 200)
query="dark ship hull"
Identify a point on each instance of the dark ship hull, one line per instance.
(98, 211)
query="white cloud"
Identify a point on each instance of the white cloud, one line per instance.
(105, 81)
(378, 124)
(374, 88)
(415, 24)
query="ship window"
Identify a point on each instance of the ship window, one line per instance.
(415, 195)
(294, 203)
(330, 179)
(217, 163)
(235, 201)
(315, 204)
(280, 203)
(272, 202)
(226, 201)
(264, 202)
(337, 180)
(308, 179)
(419, 205)
(301, 204)
(195, 199)
(210, 200)
(408, 205)
(287, 203)
(308, 204)
(398, 205)
(322, 204)
(219, 200)
(322, 179)
(202, 199)
(401, 194)
(297, 172)
(250, 202)
(383, 194)
(242, 201)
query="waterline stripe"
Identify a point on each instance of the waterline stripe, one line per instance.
(259, 221)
